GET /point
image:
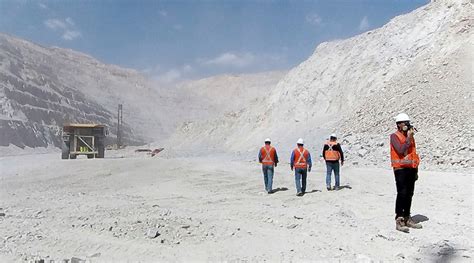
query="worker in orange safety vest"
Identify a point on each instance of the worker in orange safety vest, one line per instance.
(405, 163)
(332, 154)
(300, 160)
(268, 157)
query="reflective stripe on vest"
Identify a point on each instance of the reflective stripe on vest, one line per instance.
(411, 158)
(301, 158)
(269, 155)
(330, 154)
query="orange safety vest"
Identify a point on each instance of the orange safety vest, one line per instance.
(268, 154)
(300, 157)
(330, 154)
(410, 160)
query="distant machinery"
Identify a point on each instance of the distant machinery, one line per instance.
(83, 139)
(119, 126)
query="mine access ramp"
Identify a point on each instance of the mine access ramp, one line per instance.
(83, 139)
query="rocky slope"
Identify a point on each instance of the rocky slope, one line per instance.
(437, 94)
(435, 89)
(226, 93)
(42, 88)
(419, 63)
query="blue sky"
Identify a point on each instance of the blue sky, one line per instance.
(186, 39)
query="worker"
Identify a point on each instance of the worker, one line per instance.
(405, 163)
(300, 160)
(268, 157)
(332, 154)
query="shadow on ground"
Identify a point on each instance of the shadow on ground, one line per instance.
(419, 218)
(312, 191)
(280, 189)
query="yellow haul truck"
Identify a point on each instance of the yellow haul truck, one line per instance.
(83, 139)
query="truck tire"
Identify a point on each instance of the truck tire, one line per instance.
(65, 150)
(72, 156)
(90, 156)
(100, 148)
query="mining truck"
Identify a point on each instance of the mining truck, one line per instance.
(83, 139)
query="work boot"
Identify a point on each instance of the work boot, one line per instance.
(337, 188)
(329, 188)
(299, 194)
(400, 225)
(411, 223)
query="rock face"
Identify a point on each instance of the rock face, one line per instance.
(434, 87)
(419, 63)
(223, 111)
(43, 88)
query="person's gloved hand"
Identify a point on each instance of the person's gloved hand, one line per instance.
(291, 168)
(276, 164)
(309, 169)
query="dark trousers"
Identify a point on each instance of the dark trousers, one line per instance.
(268, 177)
(405, 179)
(332, 166)
(300, 176)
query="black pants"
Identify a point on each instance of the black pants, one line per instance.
(304, 174)
(405, 179)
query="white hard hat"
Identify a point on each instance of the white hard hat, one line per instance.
(268, 140)
(300, 141)
(333, 135)
(402, 117)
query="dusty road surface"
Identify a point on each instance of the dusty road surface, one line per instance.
(144, 209)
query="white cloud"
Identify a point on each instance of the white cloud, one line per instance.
(171, 75)
(42, 6)
(55, 24)
(70, 21)
(225, 63)
(67, 27)
(314, 19)
(187, 69)
(151, 70)
(364, 24)
(242, 62)
(231, 59)
(71, 35)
